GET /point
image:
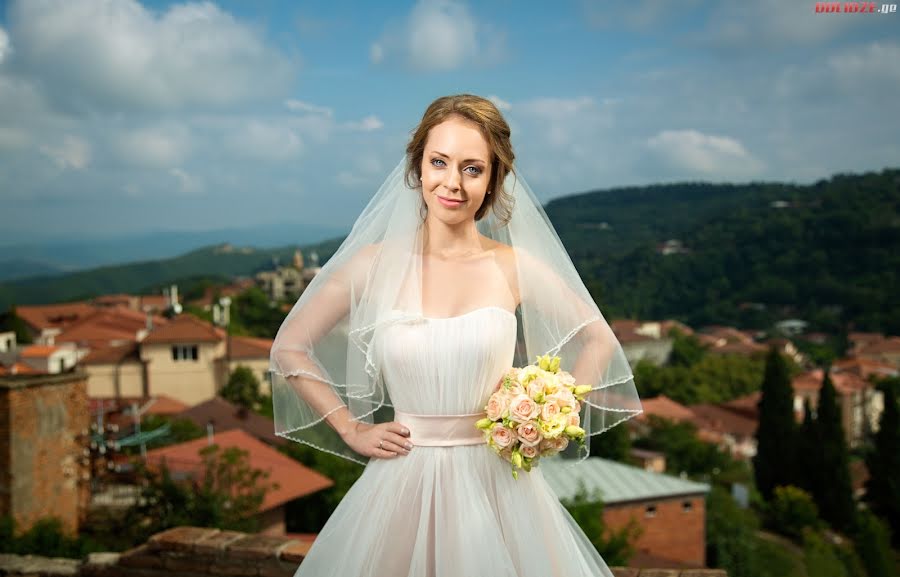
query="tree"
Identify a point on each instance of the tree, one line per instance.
(614, 546)
(792, 510)
(883, 462)
(226, 494)
(614, 444)
(809, 455)
(776, 433)
(13, 322)
(242, 388)
(873, 544)
(835, 499)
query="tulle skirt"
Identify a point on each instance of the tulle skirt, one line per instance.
(451, 511)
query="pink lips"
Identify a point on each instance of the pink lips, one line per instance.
(450, 203)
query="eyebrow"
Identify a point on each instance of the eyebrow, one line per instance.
(466, 160)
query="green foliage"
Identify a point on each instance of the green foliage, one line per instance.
(10, 321)
(873, 545)
(180, 431)
(829, 258)
(614, 444)
(713, 378)
(684, 451)
(776, 452)
(687, 350)
(730, 534)
(792, 510)
(252, 314)
(835, 499)
(45, 538)
(309, 514)
(614, 546)
(820, 557)
(883, 461)
(226, 494)
(242, 388)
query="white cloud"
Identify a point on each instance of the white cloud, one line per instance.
(376, 53)
(159, 146)
(299, 106)
(499, 102)
(265, 140)
(99, 54)
(72, 152)
(187, 183)
(4, 44)
(367, 124)
(875, 66)
(440, 35)
(690, 153)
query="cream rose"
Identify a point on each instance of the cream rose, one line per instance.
(574, 420)
(565, 398)
(535, 388)
(529, 435)
(522, 409)
(498, 403)
(501, 435)
(550, 409)
(528, 451)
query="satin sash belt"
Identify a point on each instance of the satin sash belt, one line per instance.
(441, 430)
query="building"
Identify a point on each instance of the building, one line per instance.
(219, 415)
(186, 359)
(670, 511)
(860, 402)
(44, 423)
(292, 479)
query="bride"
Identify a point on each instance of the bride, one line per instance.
(451, 276)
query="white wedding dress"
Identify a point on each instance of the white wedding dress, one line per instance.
(452, 511)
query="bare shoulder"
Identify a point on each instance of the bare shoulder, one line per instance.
(505, 257)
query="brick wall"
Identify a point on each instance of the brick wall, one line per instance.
(199, 552)
(41, 469)
(671, 532)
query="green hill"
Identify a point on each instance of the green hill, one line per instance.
(828, 253)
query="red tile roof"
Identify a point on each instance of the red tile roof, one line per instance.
(184, 328)
(37, 351)
(18, 369)
(293, 479)
(53, 316)
(844, 382)
(865, 368)
(107, 326)
(250, 348)
(663, 406)
(226, 416)
(112, 355)
(721, 420)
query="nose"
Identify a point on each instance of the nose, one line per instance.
(451, 180)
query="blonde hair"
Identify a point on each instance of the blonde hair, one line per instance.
(481, 112)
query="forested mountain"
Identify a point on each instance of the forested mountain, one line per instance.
(828, 252)
(749, 254)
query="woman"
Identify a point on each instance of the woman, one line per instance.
(451, 275)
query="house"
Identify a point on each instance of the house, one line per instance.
(860, 402)
(729, 340)
(292, 479)
(185, 358)
(671, 511)
(222, 415)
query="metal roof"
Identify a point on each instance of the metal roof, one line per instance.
(615, 482)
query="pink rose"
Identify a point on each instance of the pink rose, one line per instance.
(528, 451)
(566, 378)
(549, 409)
(559, 443)
(522, 409)
(529, 434)
(574, 420)
(498, 403)
(515, 388)
(501, 435)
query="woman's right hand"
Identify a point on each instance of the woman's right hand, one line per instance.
(365, 438)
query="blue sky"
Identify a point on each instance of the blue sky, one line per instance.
(120, 117)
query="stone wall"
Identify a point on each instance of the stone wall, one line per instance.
(200, 552)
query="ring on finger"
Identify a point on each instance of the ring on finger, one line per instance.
(381, 444)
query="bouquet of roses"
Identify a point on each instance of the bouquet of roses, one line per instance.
(534, 413)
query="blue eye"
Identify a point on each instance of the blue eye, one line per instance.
(434, 160)
(476, 170)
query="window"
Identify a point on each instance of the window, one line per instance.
(687, 506)
(184, 352)
(650, 511)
